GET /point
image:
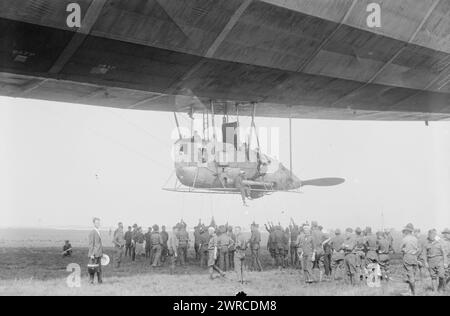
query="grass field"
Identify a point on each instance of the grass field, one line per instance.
(40, 270)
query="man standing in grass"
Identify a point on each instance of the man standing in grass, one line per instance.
(239, 256)
(172, 249)
(436, 260)
(212, 254)
(128, 244)
(119, 244)
(95, 252)
(255, 241)
(307, 254)
(410, 250)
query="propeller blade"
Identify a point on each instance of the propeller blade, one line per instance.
(323, 182)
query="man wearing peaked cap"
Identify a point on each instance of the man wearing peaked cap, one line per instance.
(410, 250)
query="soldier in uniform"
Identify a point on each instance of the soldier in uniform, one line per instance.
(307, 254)
(337, 258)
(119, 244)
(371, 244)
(436, 261)
(133, 242)
(239, 256)
(148, 243)
(232, 247)
(350, 257)
(328, 253)
(164, 238)
(95, 253)
(318, 239)
(156, 242)
(212, 254)
(295, 231)
(128, 244)
(204, 241)
(139, 240)
(410, 250)
(223, 242)
(421, 253)
(278, 241)
(255, 241)
(197, 234)
(446, 242)
(172, 249)
(384, 250)
(183, 240)
(271, 247)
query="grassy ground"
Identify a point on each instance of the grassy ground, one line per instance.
(31, 264)
(42, 271)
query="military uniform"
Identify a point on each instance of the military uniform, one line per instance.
(197, 235)
(328, 253)
(203, 248)
(372, 247)
(410, 249)
(255, 241)
(350, 259)
(306, 250)
(239, 256)
(183, 239)
(164, 250)
(119, 245)
(318, 238)
(148, 244)
(271, 246)
(223, 242)
(337, 258)
(278, 241)
(128, 243)
(172, 248)
(212, 256)
(293, 246)
(435, 253)
(139, 244)
(384, 247)
(156, 242)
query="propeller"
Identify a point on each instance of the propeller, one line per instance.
(323, 182)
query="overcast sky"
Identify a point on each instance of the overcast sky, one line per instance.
(61, 164)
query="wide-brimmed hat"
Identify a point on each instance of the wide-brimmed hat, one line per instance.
(409, 228)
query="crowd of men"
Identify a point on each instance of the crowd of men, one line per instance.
(360, 254)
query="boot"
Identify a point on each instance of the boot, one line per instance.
(412, 287)
(99, 277)
(91, 278)
(441, 286)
